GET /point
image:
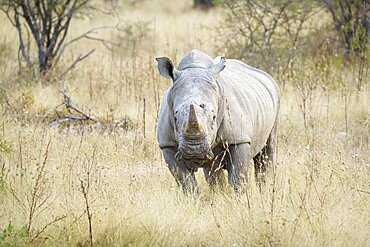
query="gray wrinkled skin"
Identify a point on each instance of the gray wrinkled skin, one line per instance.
(217, 114)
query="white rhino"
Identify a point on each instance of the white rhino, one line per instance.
(218, 113)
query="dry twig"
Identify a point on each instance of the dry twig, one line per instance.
(72, 109)
(76, 114)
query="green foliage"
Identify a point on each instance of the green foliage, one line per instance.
(134, 36)
(218, 2)
(4, 100)
(10, 236)
(350, 19)
(4, 52)
(5, 147)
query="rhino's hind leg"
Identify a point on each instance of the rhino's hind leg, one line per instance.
(271, 148)
(260, 166)
(184, 178)
(265, 159)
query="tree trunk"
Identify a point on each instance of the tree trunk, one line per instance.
(367, 20)
(203, 4)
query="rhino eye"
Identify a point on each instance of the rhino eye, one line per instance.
(214, 117)
(202, 105)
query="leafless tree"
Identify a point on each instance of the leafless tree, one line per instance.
(47, 21)
(266, 33)
(203, 4)
(351, 19)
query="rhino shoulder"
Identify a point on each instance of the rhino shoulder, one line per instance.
(262, 76)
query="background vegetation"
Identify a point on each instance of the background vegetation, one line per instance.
(104, 182)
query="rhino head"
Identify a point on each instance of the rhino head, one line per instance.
(195, 101)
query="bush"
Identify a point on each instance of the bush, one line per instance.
(281, 36)
(266, 33)
(11, 236)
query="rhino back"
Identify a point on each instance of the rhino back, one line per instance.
(252, 104)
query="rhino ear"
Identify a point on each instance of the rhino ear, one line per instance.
(166, 68)
(217, 68)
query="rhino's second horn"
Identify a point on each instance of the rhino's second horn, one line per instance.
(193, 129)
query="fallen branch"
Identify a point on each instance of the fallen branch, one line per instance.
(77, 115)
(72, 108)
(363, 191)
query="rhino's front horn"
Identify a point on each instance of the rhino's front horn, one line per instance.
(193, 129)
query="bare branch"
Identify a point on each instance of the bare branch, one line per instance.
(48, 22)
(79, 59)
(60, 49)
(35, 198)
(69, 119)
(78, 115)
(363, 191)
(70, 105)
(6, 11)
(58, 218)
(21, 43)
(103, 41)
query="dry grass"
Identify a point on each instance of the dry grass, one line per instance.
(319, 197)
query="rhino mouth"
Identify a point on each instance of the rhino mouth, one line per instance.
(194, 142)
(200, 153)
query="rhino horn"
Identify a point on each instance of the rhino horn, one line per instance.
(193, 129)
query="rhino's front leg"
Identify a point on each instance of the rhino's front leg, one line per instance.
(237, 167)
(183, 175)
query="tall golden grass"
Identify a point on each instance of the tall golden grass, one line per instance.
(319, 195)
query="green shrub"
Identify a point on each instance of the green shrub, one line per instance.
(10, 236)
